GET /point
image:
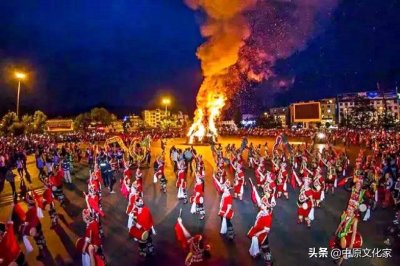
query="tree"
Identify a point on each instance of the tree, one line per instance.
(17, 128)
(97, 115)
(386, 119)
(27, 120)
(268, 121)
(82, 121)
(102, 115)
(7, 121)
(167, 124)
(362, 115)
(39, 121)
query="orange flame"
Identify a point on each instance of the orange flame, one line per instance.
(226, 31)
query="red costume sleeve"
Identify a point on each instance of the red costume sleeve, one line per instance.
(9, 248)
(92, 232)
(48, 196)
(309, 193)
(145, 219)
(198, 188)
(94, 204)
(31, 217)
(228, 201)
(98, 174)
(38, 199)
(19, 212)
(265, 221)
(180, 236)
(128, 173)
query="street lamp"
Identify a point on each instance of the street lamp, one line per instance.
(20, 76)
(166, 102)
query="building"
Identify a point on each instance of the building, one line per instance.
(179, 120)
(133, 122)
(59, 125)
(328, 111)
(136, 122)
(154, 118)
(116, 127)
(160, 118)
(347, 101)
(280, 114)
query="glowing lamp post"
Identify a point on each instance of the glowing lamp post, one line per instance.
(19, 76)
(166, 102)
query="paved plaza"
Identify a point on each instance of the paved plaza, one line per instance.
(290, 242)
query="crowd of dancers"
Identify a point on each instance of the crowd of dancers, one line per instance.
(313, 174)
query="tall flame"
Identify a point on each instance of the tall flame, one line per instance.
(226, 30)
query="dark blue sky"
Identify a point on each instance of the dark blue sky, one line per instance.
(359, 47)
(125, 53)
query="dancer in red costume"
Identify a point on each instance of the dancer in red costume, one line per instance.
(197, 250)
(305, 203)
(48, 200)
(91, 245)
(270, 188)
(331, 181)
(10, 252)
(139, 179)
(32, 227)
(226, 211)
(93, 202)
(181, 182)
(142, 229)
(259, 232)
(260, 173)
(281, 181)
(239, 181)
(197, 200)
(159, 174)
(131, 208)
(318, 187)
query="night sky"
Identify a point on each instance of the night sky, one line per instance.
(127, 54)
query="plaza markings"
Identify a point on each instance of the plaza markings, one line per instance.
(8, 199)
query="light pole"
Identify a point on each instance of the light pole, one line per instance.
(20, 76)
(166, 102)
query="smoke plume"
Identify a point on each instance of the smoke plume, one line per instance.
(244, 39)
